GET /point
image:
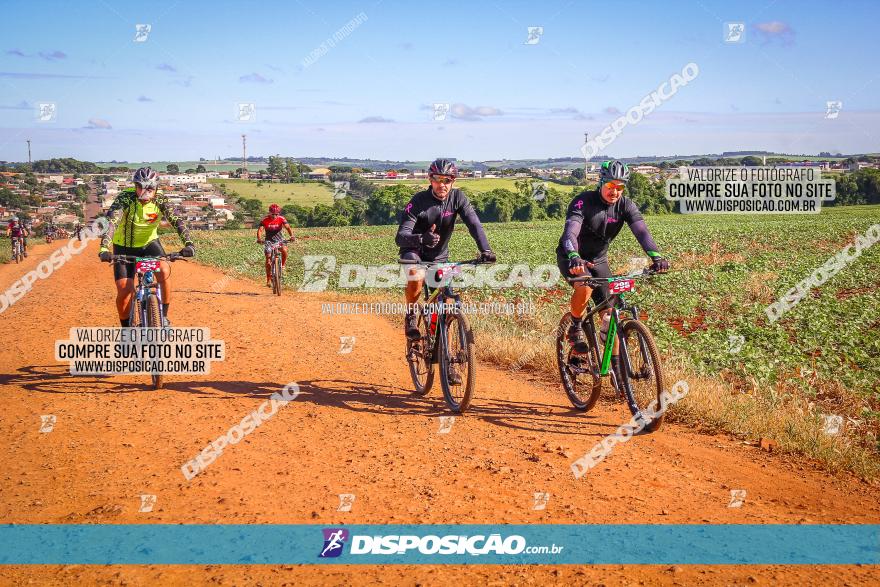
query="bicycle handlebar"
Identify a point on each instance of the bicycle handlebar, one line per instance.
(476, 261)
(282, 241)
(603, 280)
(129, 258)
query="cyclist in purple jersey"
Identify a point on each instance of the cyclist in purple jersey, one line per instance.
(593, 220)
(426, 227)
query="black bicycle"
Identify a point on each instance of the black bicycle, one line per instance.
(275, 266)
(146, 307)
(445, 338)
(17, 250)
(641, 369)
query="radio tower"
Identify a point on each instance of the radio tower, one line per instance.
(244, 169)
(29, 151)
(586, 161)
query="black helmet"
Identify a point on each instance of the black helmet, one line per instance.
(146, 177)
(614, 170)
(443, 167)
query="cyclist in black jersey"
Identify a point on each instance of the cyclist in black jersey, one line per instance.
(426, 227)
(593, 220)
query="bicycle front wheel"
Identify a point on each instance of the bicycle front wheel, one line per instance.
(579, 373)
(154, 319)
(457, 365)
(276, 278)
(421, 366)
(643, 378)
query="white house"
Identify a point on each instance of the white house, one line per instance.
(183, 178)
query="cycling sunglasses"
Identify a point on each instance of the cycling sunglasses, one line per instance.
(616, 186)
(444, 179)
(147, 187)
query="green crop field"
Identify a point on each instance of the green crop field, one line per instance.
(304, 194)
(708, 314)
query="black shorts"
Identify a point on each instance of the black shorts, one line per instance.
(415, 255)
(600, 269)
(126, 270)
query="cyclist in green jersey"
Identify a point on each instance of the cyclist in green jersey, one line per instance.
(134, 218)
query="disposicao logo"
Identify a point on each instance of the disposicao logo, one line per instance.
(334, 540)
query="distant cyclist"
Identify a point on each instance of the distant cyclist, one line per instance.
(15, 230)
(426, 227)
(134, 218)
(271, 227)
(593, 220)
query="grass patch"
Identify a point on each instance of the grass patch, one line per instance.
(304, 194)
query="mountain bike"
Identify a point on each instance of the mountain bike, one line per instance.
(445, 338)
(275, 266)
(146, 306)
(640, 365)
(17, 254)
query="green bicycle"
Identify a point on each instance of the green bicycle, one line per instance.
(640, 365)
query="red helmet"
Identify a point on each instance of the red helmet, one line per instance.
(274, 209)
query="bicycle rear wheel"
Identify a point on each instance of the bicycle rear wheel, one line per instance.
(457, 366)
(154, 319)
(579, 373)
(643, 380)
(276, 278)
(421, 366)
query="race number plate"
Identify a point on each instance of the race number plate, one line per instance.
(621, 286)
(146, 265)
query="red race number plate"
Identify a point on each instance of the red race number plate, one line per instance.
(617, 287)
(144, 266)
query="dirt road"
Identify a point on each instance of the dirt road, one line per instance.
(355, 428)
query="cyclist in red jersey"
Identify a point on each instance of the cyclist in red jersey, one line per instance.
(271, 226)
(15, 230)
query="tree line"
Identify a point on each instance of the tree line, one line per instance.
(530, 200)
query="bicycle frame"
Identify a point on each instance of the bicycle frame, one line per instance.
(617, 304)
(147, 285)
(443, 293)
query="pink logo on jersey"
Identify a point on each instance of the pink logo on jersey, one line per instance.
(408, 208)
(447, 213)
(579, 205)
(610, 220)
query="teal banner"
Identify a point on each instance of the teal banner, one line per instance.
(440, 544)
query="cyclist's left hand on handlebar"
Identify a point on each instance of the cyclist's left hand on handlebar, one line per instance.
(487, 257)
(105, 256)
(188, 251)
(660, 265)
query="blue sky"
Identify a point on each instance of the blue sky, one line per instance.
(174, 95)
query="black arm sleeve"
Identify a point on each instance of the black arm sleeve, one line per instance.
(639, 228)
(574, 219)
(472, 221)
(640, 231)
(571, 233)
(406, 238)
